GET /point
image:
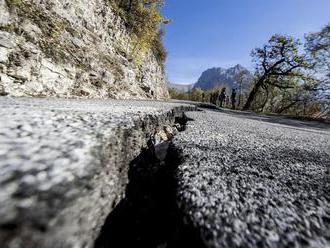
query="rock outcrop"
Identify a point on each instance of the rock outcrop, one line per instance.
(77, 48)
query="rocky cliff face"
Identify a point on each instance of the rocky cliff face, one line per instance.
(72, 48)
(218, 77)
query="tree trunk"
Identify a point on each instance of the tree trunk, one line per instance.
(281, 110)
(266, 100)
(240, 95)
(253, 93)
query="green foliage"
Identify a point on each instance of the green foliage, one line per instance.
(279, 64)
(174, 94)
(295, 100)
(158, 48)
(285, 79)
(318, 49)
(14, 3)
(143, 20)
(197, 94)
(279, 58)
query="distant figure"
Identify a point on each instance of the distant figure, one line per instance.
(222, 96)
(213, 98)
(227, 101)
(215, 95)
(233, 99)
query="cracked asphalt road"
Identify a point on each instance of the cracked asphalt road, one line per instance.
(64, 164)
(245, 180)
(249, 181)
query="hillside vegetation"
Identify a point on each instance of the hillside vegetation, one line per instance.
(143, 20)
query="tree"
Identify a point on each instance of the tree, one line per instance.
(240, 80)
(301, 97)
(174, 94)
(318, 46)
(197, 94)
(318, 49)
(277, 61)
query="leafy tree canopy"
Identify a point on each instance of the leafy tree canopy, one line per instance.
(318, 49)
(276, 62)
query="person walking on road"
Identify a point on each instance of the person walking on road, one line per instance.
(227, 101)
(233, 99)
(222, 96)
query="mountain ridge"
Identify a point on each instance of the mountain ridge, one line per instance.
(217, 77)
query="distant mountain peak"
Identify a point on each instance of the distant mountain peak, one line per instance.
(217, 77)
(238, 66)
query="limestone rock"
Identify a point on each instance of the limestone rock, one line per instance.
(71, 49)
(4, 17)
(5, 40)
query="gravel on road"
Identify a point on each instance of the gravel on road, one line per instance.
(64, 164)
(254, 182)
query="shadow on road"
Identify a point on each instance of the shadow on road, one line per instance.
(149, 216)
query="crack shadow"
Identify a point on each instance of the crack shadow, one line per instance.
(149, 215)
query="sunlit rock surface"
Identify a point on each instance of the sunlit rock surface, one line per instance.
(77, 48)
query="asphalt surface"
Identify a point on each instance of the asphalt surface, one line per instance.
(244, 181)
(64, 164)
(249, 181)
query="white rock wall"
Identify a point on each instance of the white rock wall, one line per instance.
(72, 48)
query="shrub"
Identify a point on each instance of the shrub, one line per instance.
(143, 20)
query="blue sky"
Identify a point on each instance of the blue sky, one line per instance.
(212, 33)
